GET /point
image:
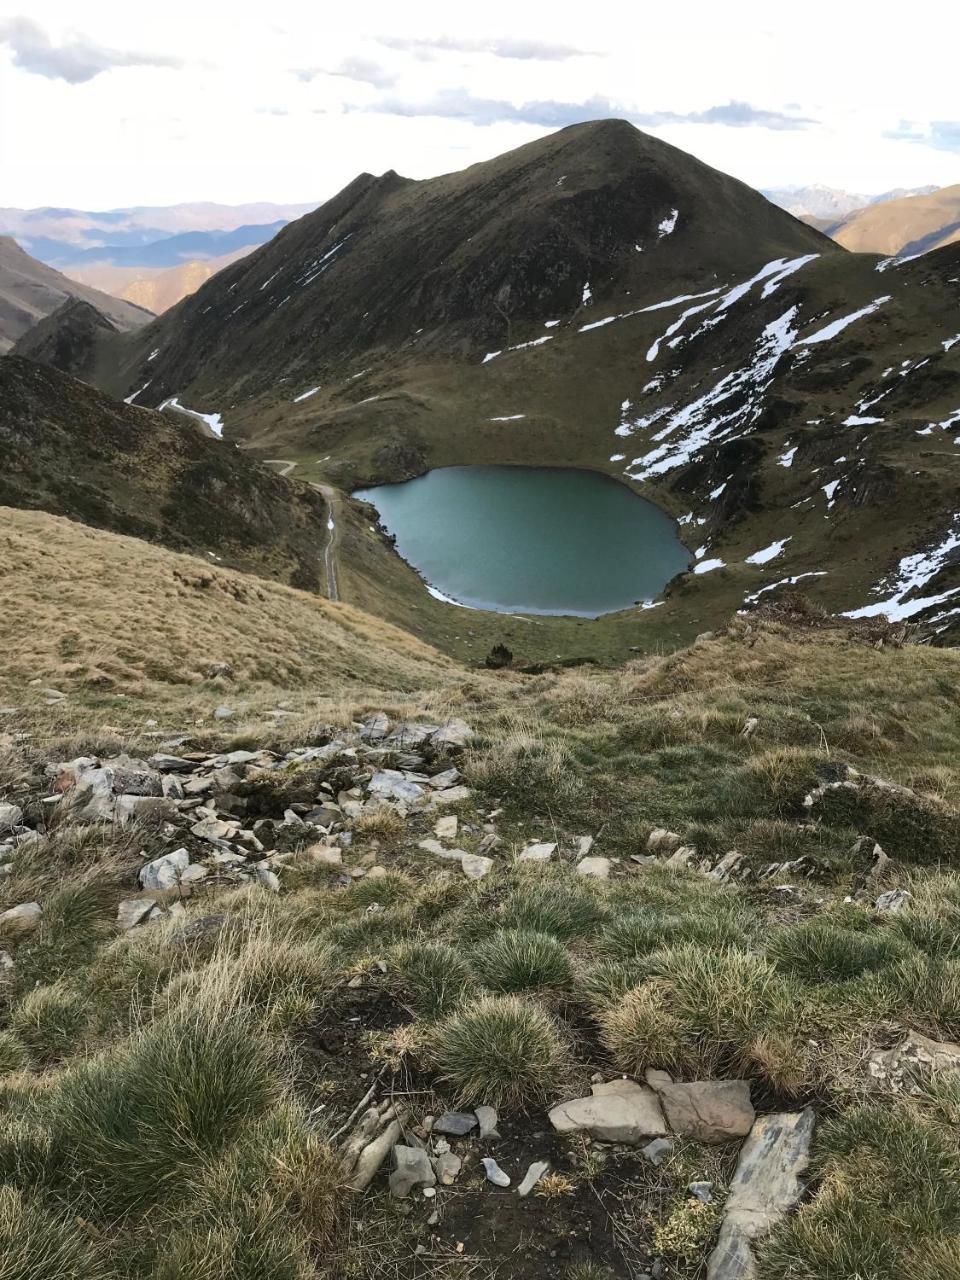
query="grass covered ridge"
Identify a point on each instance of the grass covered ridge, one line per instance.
(167, 1107)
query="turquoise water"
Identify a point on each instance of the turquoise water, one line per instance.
(531, 539)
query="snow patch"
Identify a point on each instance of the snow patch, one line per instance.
(786, 459)
(513, 417)
(708, 566)
(837, 326)
(946, 344)
(213, 420)
(768, 553)
(305, 395)
(913, 573)
(587, 295)
(668, 225)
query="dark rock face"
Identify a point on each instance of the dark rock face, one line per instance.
(74, 452)
(67, 339)
(463, 260)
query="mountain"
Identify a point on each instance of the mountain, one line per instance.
(912, 225)
(169, 251)
(70, 450)
(598, 299)
(139, 225)
(156, 288)
(29, 291)
(827, 207)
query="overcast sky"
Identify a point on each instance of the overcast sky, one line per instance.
(108, 103)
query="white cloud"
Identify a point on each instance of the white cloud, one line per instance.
(236, 125)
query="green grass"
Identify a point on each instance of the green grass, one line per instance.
(50, 1022)
(522, 960)
(503, 1051)
(38, 1244)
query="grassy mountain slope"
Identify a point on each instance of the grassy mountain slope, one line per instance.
(913, 224)
(70, 450)
(624, 308)
(29, 291)
(172, 1096)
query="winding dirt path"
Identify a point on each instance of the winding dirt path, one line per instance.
(284, 468)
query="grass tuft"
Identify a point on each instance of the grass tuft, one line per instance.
(504, 1051)
(522, 960)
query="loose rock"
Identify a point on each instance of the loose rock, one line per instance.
(164, 873)
(487, 1116)
(412, 1169)
(494, 1173)
(621, 1111)
(708, 1110)
(455, 1123)
(21, 921)
(533, 1176)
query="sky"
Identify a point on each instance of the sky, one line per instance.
(113, 103)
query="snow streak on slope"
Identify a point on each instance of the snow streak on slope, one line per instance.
(913, 573)
(704, 421)
(213, 420)
(837, 326)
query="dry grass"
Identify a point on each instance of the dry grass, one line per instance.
(100, 615)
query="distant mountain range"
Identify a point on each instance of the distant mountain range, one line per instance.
(830, 205)
(31, 290)
(144, 236)
(156, 288)
(909, 226)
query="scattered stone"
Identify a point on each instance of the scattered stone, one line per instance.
(914, 1060)
(448, 778)
(447, 1167)
(170, 764)
(452, 795)
(475, 866)
(224, 713)
(538, 852)
(683, 856)
(728, 865)
(621, 1111)
(445, 828)
(435, 847)
(487, 1117)
(660, 840)
(325, 855)
(452, 735)
(750, 726)
(164, 873)
(702, 1191)
(375, 727)
(390, 784)
(20, 921)
(6, 962)
(494, 1173)
(11, 816)
(412, 1168)
(533, 1176)
(657, 1151)
(133, 911)
(143, 809)
(455, 1123)
(892, 901)
(429, 1193)
(583, 845)
(597, 868)
(708, 1110)
(765, 1185)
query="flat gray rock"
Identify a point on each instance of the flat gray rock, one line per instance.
(164, 873)
(132, 911)
(765, 1186)
(533, 1176)
(11, 815)
(494, 1173)
(455, 1123)
(412, 1168)
(708, 1110)
(626, 1112)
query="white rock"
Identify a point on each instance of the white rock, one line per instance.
(598, 868)
(269, 879)
(445, 828)
(475, 866)
(533, 1176)
(11, 815)
(21, 920)
(538, 852)
(133, 911)
(164, 873)
(494, 1173)
(621, 1111)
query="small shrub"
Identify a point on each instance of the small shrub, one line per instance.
(687, 1230)
(498, 657)
(607, 981)
(771, 784)
(529, 773)
(260, 1210)
(501, 1050)
(432, 977)
(383, 824)
(50, 1022)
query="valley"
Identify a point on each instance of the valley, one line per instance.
(479, 740)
